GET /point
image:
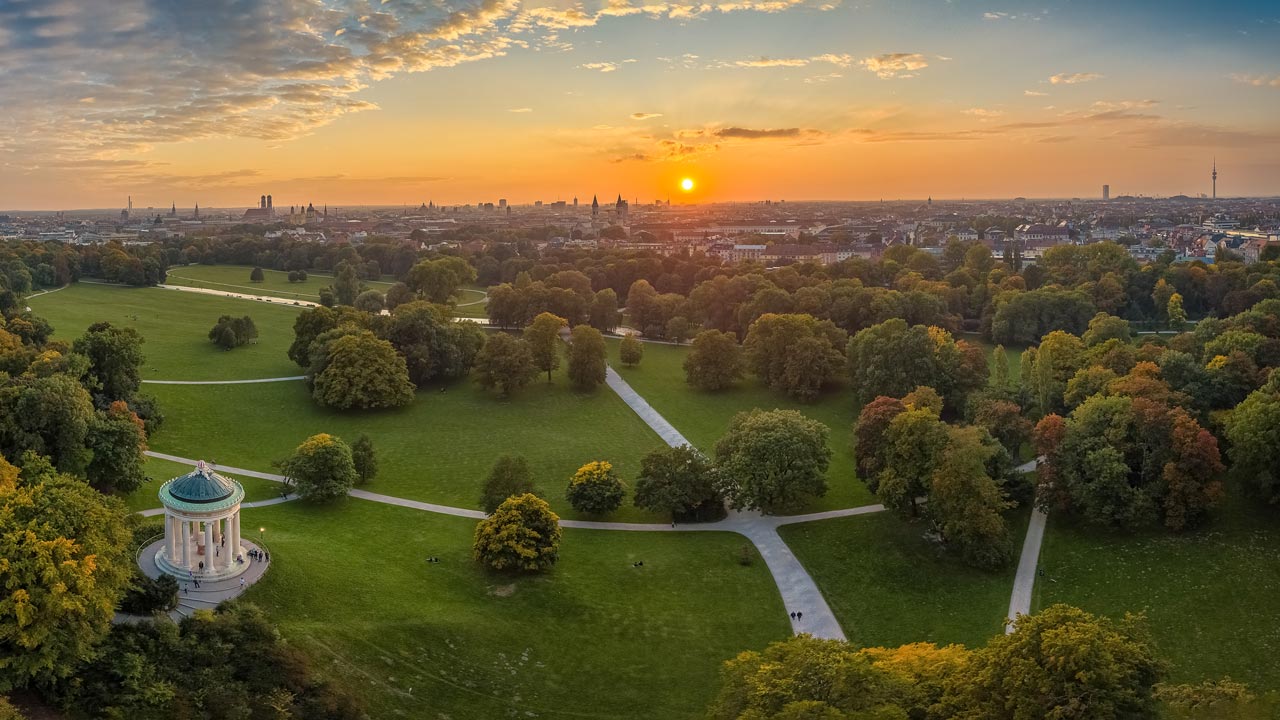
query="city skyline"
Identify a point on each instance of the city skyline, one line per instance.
(355, 103)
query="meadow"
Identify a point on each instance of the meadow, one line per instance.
(595, 637)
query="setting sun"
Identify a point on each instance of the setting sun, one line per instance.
(686, 184)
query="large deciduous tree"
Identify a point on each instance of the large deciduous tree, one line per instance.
(679, 481)
(433, 346)
(630, 350)
(64, 564)
(362, 372)
(714, 361)
(543, 336)
(438, 281)
(966, 503)
(587, 366)
(504, 363)
(521, 534)
(118, 440)
(115, 361)
(772, 460)
(322, 468)
(794, 354)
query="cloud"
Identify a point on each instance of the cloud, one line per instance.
(1073, 78)
(644, 115)
(984, 113)
(520, 110)
(1257, 80)
(822, 78)
(995, 15)
(793, 62)
(751, 134)
(1034, 93)
(604, 67)
(895, 65)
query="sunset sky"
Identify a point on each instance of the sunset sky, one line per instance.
(344, 102)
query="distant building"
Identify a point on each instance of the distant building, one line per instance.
(1106, 192)
(265, 211)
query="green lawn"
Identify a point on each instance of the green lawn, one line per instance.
(704, 417)
(160, 471)
(593, 638)
(175, 326)
(235, 278)
(1209, 595)
(888, 586)
(439, 449)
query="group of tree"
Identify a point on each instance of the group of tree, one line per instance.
(232, 332)
(324, 467)
(959, 478)
(1061, 662)
(361, 360)
(78, 405)
(507, 363)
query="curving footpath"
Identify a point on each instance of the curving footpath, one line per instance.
(1025, 580)
(224, 382)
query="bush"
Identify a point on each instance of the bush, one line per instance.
(521, 534)
(630, 351)
(509, 477)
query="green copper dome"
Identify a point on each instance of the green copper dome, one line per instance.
(201, 489)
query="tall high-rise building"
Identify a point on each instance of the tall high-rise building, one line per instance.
(1215, 178)
(502, 202)
(1106, 192)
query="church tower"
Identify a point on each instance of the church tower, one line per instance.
(595, 206)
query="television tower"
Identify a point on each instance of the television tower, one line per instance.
(1215, 178)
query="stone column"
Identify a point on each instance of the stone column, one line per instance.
(217, 531)
(186, 543)
(235, 535)
(208, 546)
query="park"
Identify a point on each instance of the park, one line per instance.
(598, 634)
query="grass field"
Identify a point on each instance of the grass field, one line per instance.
(888, 586)
(160, 471)
(1209, 595)
(235, 278)
(439, 449)
(593, 638)
(703, 417)
(176, 327)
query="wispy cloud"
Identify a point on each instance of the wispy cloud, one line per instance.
(984, 113)
(1073, 78)
(644, 115)
(604, 67)
(792, 62)
(757, 134)
(1034, 93)
(895, 65)
(1257, 80)
(520, 110)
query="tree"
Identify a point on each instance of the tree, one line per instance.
(521, 534)
(504, 363)
(65, 566)
(1053, 363)
(595, 489)
(587, 366)
(115, 361)
(117, 439)
(999, 368)
(870, 435)
(807, 678)
(256, 275)
(1104, 327)
(679, 481)
(362, 372)
(1177, 317)
(630, 350)
(327, 297)
(1161, 296)
(892, 359)
(439, 280)
(714, 362)
(397, 295)
(1253, 431)
(433, 346)
(966, 504)
(604, 310)
(509, 477)
(346, 284)
(795, 354)
(543, 336)
(232, 332)
(678, 329)
(772, 460)
(322, 468)
(913, 448)
(50, 416)
(1006, 422)
(370, 301)
(364, 459)
(309, 325)
(1063, 663)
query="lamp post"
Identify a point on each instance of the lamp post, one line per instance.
(261, 541)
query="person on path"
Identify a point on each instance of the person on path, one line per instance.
(799, 616)
(241, 583)
(793, 614)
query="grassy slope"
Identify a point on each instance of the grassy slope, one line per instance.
(888, 586)
(439, 449)
(594, 638)
(1209, 595)
(175, 326)
(703, 417)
